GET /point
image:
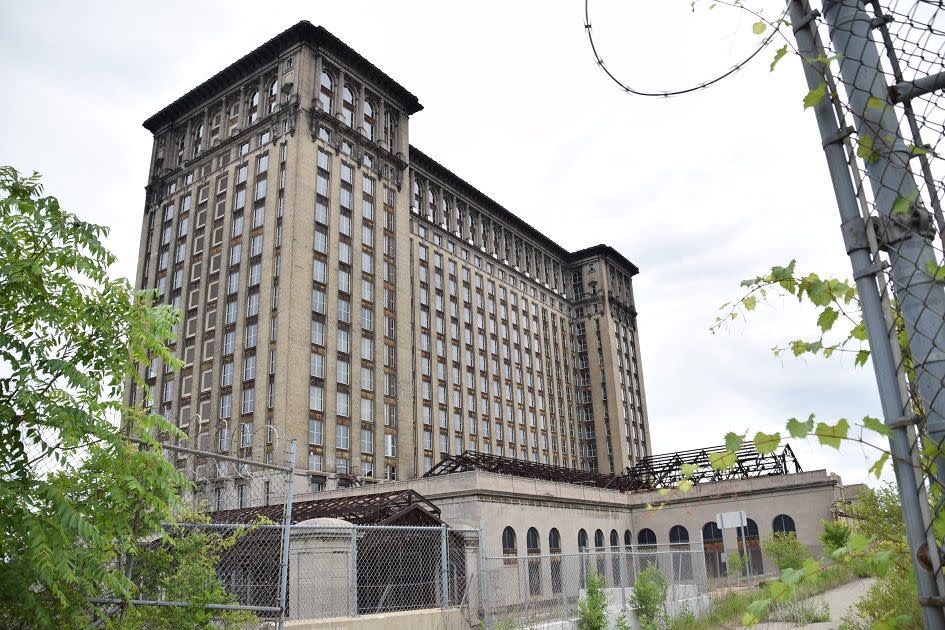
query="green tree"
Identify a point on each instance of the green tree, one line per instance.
(592, 608)
(788, 552)
(75, 498)
(649, 597)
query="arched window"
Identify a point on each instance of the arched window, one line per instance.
(582, 540)
(215, 124)
(646, 537)
(714, 547)
(554, 541)
(533, 545)
(783, 523)
(753, 541)
(678, 535)
(532, 542)
(369, 121)
(326, 94)
(347, 106)
(554, 548)
(252, 109)
(273, 98)
(711, 531)
(599, 539)
(682, 559)
(509, 546)
(198, 139)
(627, 539)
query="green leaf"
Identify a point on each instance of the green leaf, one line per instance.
(767, 442)
(859, 331)
(875, 424)
(857, 542)
(861, 357)
(755, 611)
(733, 441)
(937, 272)
(832, 435)
(877, 467)
(827, 318)
(800, 430)
(874, 103)
(758, 27)
(866, 149)
(749, 302)
(722, 461)
(779, 53)
(903, 205)
(688, 470)
(685, 485)
(816, 95)
(778, 589)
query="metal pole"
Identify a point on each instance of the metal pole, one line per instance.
(353, 603)
(444, 568)
(286, 536)
(483, 578)
(908, 237)
(855, 238)
(622, 558)
(903, 92)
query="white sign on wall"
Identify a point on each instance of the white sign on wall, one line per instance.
(727, 520)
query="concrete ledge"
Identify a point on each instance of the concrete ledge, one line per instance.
(449, 619)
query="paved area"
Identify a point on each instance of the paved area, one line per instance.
(840, 599)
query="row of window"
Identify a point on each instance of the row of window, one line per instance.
(678, 535)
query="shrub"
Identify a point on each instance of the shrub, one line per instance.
(592, 609)
(835, 536)
(786, 550)
(649, 596)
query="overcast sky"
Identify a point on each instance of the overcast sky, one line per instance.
(699, 191)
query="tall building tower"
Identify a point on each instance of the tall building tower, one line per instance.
(342, 288)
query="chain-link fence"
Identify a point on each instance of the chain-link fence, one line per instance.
(344, 570)
(876, 79)
(227, 552)
(536, 589)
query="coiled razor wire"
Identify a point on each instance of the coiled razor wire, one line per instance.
(775, 31)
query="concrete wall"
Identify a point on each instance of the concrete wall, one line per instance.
(449, 619)
(498, 501)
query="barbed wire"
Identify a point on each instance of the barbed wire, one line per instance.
(775, 32)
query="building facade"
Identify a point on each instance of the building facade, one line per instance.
(341, 288)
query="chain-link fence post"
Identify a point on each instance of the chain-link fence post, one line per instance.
(622, 555)
(444, 568)
(853, 228)
(353, 595)
(907, 235)
(484, 579)
(286, 538)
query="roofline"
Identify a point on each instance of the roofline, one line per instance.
(607, 252)
(424, 161)
(303, 32)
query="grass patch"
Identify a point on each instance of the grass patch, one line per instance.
(729, 606)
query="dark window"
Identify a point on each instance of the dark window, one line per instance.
(599, 539)
(554, 541)
(509, 546)
(347, 106)
(646, 537)
(678, 534)
(627, 539)
(711, 531)
(369, 122)
(783, 523)
(582, 539)
(532, 541)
